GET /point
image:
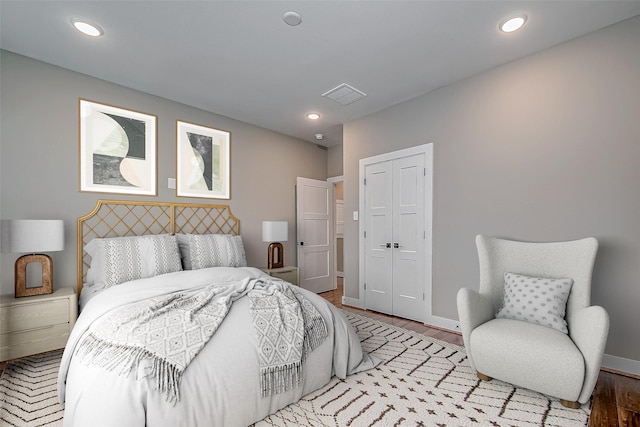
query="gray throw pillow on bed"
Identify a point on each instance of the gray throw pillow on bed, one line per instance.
(202, 250)
(235, 251)
(117, 260)
(211, 250)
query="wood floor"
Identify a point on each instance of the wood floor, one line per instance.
(616, 401)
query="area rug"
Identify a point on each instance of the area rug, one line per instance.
(421, 382)
(28, 391)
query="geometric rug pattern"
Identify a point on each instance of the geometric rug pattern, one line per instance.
(28, 391)
(421, 382)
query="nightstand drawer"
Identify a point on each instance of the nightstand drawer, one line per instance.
(39, 340)
(36, 324)
(28, 316)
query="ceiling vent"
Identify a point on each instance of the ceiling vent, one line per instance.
(344, 94)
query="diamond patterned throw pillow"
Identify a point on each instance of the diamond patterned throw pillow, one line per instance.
(540, 300)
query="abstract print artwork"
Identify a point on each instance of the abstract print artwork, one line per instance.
(203, 161)
(117, 150)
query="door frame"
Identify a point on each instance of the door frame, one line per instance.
(427, 150)
(334, 180)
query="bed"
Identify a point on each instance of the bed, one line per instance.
(217, 344)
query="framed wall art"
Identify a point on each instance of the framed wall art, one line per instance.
(203, 156)
(117, 150)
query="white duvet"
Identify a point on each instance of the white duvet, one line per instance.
(220, 387)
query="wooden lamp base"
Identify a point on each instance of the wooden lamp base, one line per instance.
(21, 275)
(276, 256)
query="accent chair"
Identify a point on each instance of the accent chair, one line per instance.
(517, 328)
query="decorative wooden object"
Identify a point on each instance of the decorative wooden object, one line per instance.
(276, 256)
(21, 275)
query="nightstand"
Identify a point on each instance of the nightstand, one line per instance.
(288, 274)
(31, 325)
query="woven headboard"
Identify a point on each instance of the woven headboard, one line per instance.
(116, 218)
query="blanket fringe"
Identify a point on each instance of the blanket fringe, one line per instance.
(124, 359)
(278, 379)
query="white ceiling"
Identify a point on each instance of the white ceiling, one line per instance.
(239, 59)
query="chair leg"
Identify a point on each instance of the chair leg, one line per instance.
(569, 404)
(483, 377)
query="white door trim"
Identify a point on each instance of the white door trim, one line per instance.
(427, 150)
(334, 180)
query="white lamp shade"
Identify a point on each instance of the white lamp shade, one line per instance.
(275, 231)
(31, 235)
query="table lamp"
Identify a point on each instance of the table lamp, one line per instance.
(275, 232)
(32, 236)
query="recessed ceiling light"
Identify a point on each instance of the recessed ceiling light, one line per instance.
(313, 116)
(319, 136)
(86, 28)
(513, 24)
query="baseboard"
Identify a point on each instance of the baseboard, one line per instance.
(622, 365)
(352, 302)
(443, 323)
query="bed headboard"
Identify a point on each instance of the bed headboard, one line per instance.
(116, 218)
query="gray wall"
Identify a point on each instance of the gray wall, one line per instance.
(39, 159)
(544, 148)
(334, 161)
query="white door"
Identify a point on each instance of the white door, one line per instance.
(408, 237)
(314, 211)
(378, 237)
(394, 272)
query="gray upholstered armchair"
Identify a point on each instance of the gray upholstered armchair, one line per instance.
(531, 354)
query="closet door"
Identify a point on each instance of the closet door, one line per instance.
(394, 272)
(408, 237)
(378, 252)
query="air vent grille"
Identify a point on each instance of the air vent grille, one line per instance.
(344, 94)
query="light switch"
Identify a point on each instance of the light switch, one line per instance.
(355, 215)
(171, 183)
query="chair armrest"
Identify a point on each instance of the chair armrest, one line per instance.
(474, 309)
(589, 328)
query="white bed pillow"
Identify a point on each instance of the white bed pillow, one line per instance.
(116, 260)
(540, 300)
(211, 250)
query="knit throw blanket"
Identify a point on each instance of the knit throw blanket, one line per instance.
(160, 336)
